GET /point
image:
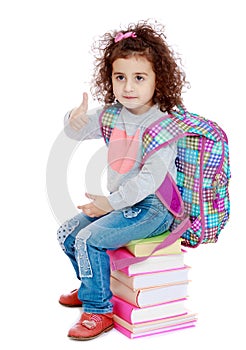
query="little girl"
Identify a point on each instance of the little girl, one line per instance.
(137, 71)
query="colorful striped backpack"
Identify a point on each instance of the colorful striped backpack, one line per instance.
(199, 196)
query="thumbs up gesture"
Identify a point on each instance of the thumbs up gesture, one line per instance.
(78, 117)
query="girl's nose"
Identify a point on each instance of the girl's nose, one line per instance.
(128, 87)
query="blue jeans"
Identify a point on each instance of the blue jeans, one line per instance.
(86, 240)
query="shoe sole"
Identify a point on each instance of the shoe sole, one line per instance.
(94, 336)
(70, 305)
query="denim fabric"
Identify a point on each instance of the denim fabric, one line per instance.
(85, 241)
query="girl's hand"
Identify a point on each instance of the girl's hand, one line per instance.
(98, 207)
(78, 117)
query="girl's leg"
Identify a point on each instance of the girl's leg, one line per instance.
(67, 233)
(145, 219)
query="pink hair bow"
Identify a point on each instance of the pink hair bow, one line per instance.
(121, 36)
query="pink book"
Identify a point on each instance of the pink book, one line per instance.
(151, 264)
(131, 335)
(134, 315)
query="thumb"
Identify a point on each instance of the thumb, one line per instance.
(90, 196)
(84, 104)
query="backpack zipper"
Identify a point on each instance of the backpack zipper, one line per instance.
(216, 180)
(201, 201)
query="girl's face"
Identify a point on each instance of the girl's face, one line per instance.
(133, 82)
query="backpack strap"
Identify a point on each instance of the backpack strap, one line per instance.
(171, 238)
(170, 196)
(160, 134)
(107, 120)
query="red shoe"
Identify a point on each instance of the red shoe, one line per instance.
(70, 299)
(91, 326)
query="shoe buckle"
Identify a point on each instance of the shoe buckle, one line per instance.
(89, 324)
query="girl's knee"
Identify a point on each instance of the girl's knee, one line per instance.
(69, 245)
(66, 230)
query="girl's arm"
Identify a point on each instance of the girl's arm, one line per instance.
(98, 206)
(137, 188)
(81, 124)
(78, 116)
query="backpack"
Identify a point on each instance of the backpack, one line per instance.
(199, 196)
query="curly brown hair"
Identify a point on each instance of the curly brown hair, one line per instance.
(149, 41)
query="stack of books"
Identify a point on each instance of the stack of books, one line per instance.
(150, 296)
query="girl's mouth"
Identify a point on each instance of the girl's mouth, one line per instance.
(129, 97)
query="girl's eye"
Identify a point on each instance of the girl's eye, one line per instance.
(120, 77)
(139, 78)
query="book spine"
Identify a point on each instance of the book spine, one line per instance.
(131, 335)
(123, 309)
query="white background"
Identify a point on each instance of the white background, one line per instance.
(45, 66)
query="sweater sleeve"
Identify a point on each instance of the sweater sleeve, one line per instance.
(91, 130)
(148, 180)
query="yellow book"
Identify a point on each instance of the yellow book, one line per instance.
(144, 247)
